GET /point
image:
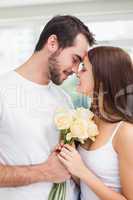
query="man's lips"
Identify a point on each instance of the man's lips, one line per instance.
(68, 73)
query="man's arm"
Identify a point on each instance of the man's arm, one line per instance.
(51, 170)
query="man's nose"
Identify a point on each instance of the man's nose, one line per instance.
(75, 69)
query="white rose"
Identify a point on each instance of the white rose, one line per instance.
(83, 129)
(84, 113)
(79, 129)
(69, 136)
(92, 130)
(63, 120)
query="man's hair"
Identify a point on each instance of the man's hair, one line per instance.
(66, 28)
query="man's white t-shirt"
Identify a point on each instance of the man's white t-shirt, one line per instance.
(27, 130)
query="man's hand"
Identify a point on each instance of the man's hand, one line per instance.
(56, 172)
(50, 171)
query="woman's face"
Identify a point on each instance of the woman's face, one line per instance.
(86, 78)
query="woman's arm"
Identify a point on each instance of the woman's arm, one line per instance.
(76, 180)
(72, 160)
(124, 146)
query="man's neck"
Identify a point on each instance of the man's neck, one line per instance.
(35, 70)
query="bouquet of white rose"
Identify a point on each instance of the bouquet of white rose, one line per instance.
(74, 125)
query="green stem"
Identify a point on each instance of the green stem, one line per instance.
(52, 192)
(61, 191)
(57, 193)
(64, 191)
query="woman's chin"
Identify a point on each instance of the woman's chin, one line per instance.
(83, 91)
(80, 90)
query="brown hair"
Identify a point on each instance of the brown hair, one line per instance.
(113, 77)
(66, 28)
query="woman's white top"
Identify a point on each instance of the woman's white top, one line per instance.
(104, 163)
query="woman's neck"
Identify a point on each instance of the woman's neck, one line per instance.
(104, 125)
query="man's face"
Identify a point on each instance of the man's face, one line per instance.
(65, 62)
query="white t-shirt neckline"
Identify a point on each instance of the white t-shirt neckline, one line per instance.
(31, 83)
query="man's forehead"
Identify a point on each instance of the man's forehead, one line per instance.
(81, 40)
(81, 46)
(81, 52)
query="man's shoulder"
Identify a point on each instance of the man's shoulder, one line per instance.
(7, 81)
(5, 77)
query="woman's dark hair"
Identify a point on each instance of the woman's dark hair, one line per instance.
(66, 28)
(113, 78)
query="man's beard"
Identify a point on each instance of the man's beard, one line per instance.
(54, 68)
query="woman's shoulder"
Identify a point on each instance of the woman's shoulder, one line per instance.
(124, 140)
(125, 130)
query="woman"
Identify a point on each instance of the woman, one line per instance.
(105, 167)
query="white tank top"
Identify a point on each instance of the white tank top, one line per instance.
(103, 162)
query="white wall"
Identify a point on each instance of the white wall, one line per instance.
(21, 24)
(91, 10)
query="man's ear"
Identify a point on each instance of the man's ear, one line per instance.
(52, 43)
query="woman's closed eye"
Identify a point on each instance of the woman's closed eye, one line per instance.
(83, 68)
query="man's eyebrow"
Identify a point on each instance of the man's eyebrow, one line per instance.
(79, 58)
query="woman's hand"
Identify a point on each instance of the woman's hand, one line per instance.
(70, 157)
(58, 147)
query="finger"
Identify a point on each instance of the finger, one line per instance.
(65, 156)
(73, 145)
(66, 151)
(57, 149)
(69, 147)
(65, 162)
(57, 146)
(62, 143)
(60, 146)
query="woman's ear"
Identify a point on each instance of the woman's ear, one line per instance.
(52, 43)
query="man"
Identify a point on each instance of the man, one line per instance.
(29, 98)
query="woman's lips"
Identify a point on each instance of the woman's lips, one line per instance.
(78, 82)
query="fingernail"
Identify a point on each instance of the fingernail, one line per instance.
(57, 151)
